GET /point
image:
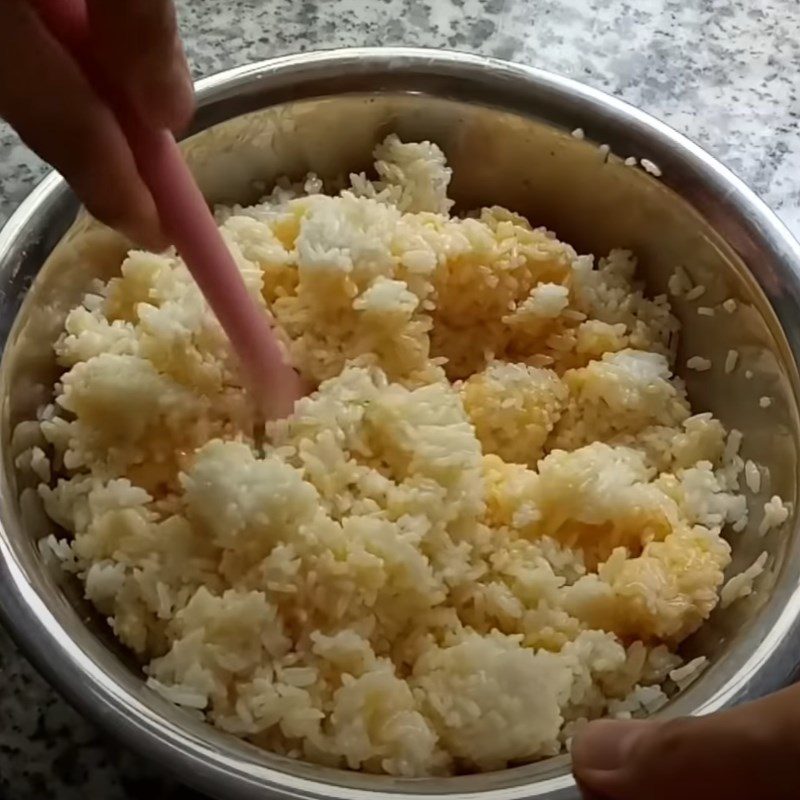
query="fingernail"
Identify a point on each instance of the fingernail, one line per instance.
(606, 745)
(166, 101)
(164, 96)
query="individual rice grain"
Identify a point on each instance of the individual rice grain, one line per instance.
(679, 282)
(650, 167)
(752, 476)
(686, 674)
(776, 512)
(741, 585)
(699, 364)
(696, 292)
(732, 445)
(731, 360)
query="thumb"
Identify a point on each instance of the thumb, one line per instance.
(751, 752)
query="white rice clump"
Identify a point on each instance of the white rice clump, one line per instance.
(494, 518)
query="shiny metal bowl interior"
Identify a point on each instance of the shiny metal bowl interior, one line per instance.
(506, 132)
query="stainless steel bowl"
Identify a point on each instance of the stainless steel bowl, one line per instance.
(506, 131)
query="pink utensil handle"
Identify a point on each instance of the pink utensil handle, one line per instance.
(187, 220)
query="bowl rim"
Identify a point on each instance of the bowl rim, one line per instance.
(202, 759)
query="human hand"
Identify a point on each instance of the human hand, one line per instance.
(751, 752)
(47, 99)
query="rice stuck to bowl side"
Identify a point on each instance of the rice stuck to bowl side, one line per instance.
(497, 517)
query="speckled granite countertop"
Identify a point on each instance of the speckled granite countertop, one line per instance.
(725, 72)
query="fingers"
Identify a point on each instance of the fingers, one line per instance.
(45, 97)
(137, 41)
(749, 753)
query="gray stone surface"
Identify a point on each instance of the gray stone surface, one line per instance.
(725, 73)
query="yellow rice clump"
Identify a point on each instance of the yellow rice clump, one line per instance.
(495, 517)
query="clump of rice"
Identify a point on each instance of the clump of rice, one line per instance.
(495, 517)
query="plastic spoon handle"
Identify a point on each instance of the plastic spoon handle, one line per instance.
(187, 221)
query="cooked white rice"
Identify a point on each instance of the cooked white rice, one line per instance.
(752, 476)
(741, 585)
(679, 282)
(495, 519)
(650, 167)
(699, 364)
(688, 673)
(776, 512)
(695, 293)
